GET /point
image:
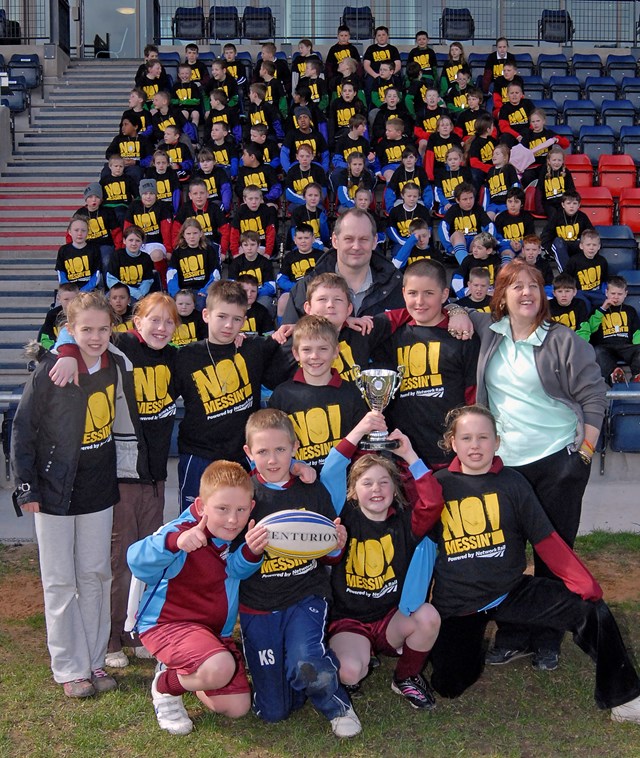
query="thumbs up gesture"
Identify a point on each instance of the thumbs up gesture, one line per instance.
(194, 538)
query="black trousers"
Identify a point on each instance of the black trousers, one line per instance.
(458, 657)
(559, 481)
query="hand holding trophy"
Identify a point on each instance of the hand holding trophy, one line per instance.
(378, 387)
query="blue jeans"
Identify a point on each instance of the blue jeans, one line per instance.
(289, 662)
(190, 470)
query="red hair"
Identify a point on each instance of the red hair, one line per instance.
(507, 276)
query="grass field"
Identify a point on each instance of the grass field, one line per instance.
(512, 711)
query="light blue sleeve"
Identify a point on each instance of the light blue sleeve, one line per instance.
(334, 477)
(418, 578)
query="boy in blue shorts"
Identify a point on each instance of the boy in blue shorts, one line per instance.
(190, 604)
(284, 606)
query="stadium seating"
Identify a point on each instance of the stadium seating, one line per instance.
(27, 66)
(565, 131)
(596, 140)
(581, 170)
(630, 142)
(360, 21)
(619, 66)
(577, 113)
(552, 65)
(629, 209)
(457, 24)
(224, 22)
(555, 26)
(476, 63)
(617, 172)
(621, 253)
(258, 23)
(584, 66)
(534, 87)
(550, 108)
(563, 88)
(599, 88)
(16, 95)
(630, 90)
(188, 24)
(526, 66)
(170, 63)
(597, 203)
(617, 113)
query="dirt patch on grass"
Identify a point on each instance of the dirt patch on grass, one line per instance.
(618, 574)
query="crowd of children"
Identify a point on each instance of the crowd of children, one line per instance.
(216, 199)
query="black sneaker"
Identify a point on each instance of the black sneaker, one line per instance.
(545, 660)
(353, 690)
(416, 690)
(498, 656)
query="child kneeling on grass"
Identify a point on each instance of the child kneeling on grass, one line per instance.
(489, 514)
(190, 605)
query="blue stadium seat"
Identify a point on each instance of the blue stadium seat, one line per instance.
(599, 88)
(566, 131)
(3, 65)
(619, 66)
(583, 66)
(526, 66)
(630, 142)
(207, 57)
(188, 24)
(476, 63)
(619, 254)
(632, 277)
(27, 66)
(550, 108)
(577, 113)
(623, 417)
(16, 94)
(552, 65)
(360, 21)
(618, 113)
(258, 23)
(170, 63)
(563, 88)
(442, 58)
(630, 90)
(534, 87)
(595, 141)
(224, 22)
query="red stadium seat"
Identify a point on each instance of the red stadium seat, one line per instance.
(617, 172)
(597, 203)
(581, 169)
(629, 205)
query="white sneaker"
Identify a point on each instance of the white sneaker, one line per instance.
(170, 711)
(117, 660)
(347, 725)
(627, 711)
(142, 652)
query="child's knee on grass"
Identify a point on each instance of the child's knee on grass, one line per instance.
(232, 706)
(212, 674)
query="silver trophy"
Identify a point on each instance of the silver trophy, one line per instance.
(378, 387)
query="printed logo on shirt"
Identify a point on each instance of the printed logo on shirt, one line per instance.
(422, 376)
(257, 272)
(174, 154)
(429, 123)
(249, 325)
(147, 221)
(460, 100)
(163, 187)
(472, 524)
(345, 362)
(554, 186)
(218, 117)
(382, 55)
(568, 319)
(590, 278)
(256, 178)
(152, 391)
(183, 93)
(283, 568)
(99, 419)
(534, 143)
(299, 268)
(184, 334)
(224, 387)
(340, 55)
(466, 224)
(252, 225)
(258, 117)
(318, 430)
(130, 149)
(486, 151)
(315, 94)
(368, 569)
(97, 229)
(344, 114)
(116, 191)
(301, 183)
(568, 231)
(162, 125)
(306, 141)
(497, 184)
(440, 152)
(192, 267)
(393, 153)
(77, 268)
(449, 184)
(514, 231)
(131, 275)
(212, 187)
(220, 156)
(615, 324)
(204, 219)
(519, 117)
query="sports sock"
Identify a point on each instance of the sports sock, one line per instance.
(169, 684)
(460, 252)
(410, 663)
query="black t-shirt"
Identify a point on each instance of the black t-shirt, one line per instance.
(492, 264)
(132, 269)
(485, 525)
(78, 264)
(296, 264)
(95, 486)
(439, 370)
(499, 181)
(220, 386)
(467, 222)
(52, 324)
(377, 54)
(400, 218)
(282, 582)
(195, 265)
(192, 328)
(511, 227)
(321, 416)
(571, 315)
(258, 320)
(484, 305)
(338, 53)
(618, 326)
(261, 268)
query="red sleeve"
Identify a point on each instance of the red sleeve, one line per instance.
(165, 230)
(505, 128)
(497, 103)
(565, 564)
(429, 160)
(487, 78)
(562, 141)
(116, 236)
(126, 224)
(67, 238)
(470, 395)
(420, 133)
(398, 318)
(459, 132)
(476, 163)
(175, 231)
(234, 241)
(69, 350)
(270, 240)
(224, 239)
(428, 507)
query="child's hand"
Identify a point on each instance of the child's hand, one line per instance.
(194, 538)
(307, 474)
(282, 334)
(342, 535)
(256, 538)
(371, 422)
(363, 324)
(64, 371)
(405, 450)
(240, 338)
(606, 304)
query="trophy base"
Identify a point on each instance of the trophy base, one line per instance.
(374, 446)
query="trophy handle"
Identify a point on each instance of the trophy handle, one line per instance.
(397, 381)
(357, 379)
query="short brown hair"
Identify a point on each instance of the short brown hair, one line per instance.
(314, 328)
(330, 281)
(224, 291)
(363, 464)
(267, 419)
(455, 414)
(223, 474)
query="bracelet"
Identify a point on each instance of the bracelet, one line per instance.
(586, 444)
(455, 310)
(584, 457)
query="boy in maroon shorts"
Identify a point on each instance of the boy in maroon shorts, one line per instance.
(190, 604)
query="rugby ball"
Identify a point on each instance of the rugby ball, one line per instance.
(299, 534)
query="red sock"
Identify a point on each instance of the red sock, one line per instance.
(169, 684)
(410, 663)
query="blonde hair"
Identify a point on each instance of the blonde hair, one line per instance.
(269, 419)
(314, 328)
(360, 468)
(224, 474)
(89, 301)
(455, 414)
